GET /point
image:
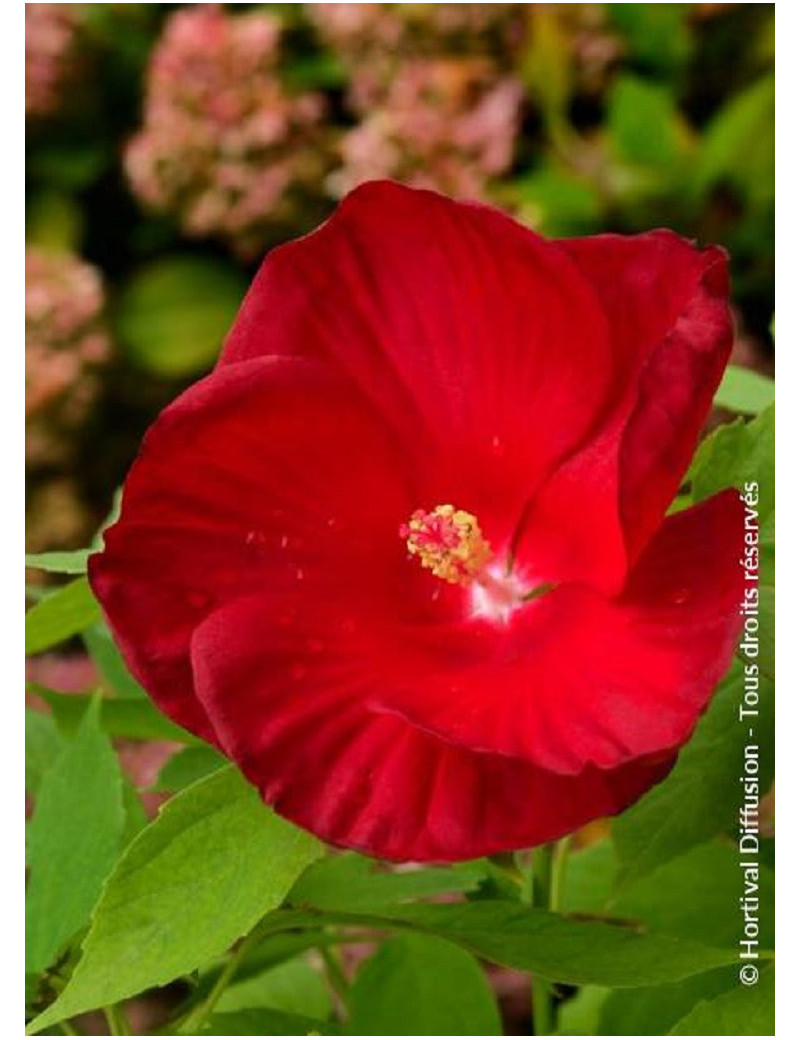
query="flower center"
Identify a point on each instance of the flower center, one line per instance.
(449, 542)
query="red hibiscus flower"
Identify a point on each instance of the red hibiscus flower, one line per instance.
(403, 555)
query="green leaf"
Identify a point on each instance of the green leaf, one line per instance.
(589, 879)
(293, 987)
(743, 1011)
(59, 562)
(580, 1015)
(418, 985)
(737, 454)
(103, 651)
(135, 816)
(173, 315)
(544, 943)
(352, 882)
(694, 896)
(121, 717)
(187, 766)
(196, 879)
(702, 795)
(73, 841)
(644, 124)
(658, 36)
(265, 1022)
(743, 390)
(65, 613)
(558, 202)
(653, 1010)
(727, 154)
(43, 744)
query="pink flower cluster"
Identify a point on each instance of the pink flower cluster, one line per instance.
(50, 38)
(224, 146)
(65, 341)
(432, 87)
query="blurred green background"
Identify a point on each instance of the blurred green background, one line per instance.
(170, 146)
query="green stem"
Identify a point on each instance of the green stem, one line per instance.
(548, 863)
(117, 1020)
(196, 1018)
(68, 1029)
(337, 980)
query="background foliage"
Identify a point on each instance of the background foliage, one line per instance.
(168, 148)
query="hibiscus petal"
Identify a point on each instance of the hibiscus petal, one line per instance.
(666, 302)
(575, 679)
(255, 477)
(287, 702)
(479, 341)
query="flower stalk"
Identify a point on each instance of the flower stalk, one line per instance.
(548, 864)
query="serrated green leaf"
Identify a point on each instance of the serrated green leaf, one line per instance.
(743, 390)
(352, 882)
(702, 795)
(264, 1022)
(187, 766)
(43, 744)
(58, 617)
(547, 944)
(418, 985)
(743, 1011)
(172, 316)
(196, 879)
(59, 562)
(73, 841)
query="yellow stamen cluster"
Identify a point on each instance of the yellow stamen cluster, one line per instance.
(448, 541)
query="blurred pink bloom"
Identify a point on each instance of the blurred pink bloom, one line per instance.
(448, 124)
(224, 146)
(65, 341)
(433, 87)
(49, 54)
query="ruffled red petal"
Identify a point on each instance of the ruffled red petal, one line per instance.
(256, 477)
(288, 704)
(667, 305)
(478, 341)
(575, 679)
